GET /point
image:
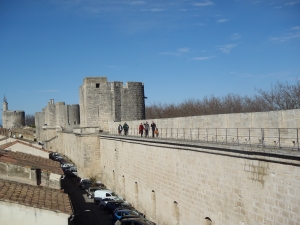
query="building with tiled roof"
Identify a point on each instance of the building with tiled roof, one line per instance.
(27, 168)
(23, 146)
(34, 205)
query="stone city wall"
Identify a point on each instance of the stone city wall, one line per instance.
(178, 185)
(174, 184)
(83, 150)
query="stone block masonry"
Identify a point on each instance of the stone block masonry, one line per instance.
(184, 185)
(102, 101)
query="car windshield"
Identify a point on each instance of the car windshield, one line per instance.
(132, 213)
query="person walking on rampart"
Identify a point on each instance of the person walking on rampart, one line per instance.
(156, 132)
(153, 126)
(120, 128)
(126, 128)
(141, 130)
(146, 128)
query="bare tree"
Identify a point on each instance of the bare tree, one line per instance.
(281, 96)
(30, 120)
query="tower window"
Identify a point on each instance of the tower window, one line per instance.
(97, 85)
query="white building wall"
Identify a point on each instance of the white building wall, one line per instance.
(15, 214)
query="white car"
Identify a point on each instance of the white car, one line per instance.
(100, 194)
(66, 165)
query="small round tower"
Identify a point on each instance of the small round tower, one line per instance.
(10, 118)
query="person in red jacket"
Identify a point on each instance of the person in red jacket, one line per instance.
(141, 130)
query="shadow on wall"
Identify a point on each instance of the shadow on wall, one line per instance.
(208, 221)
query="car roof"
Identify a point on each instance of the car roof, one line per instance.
(105, 191)
(97, 188)
(140, 220)
(126, 210)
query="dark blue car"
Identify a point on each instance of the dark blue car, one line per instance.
(124, 213)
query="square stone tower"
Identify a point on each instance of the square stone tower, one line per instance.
(102, 101)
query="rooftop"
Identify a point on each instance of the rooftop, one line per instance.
(28, 160)
(35, 196)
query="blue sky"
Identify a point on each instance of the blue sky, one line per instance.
(179, 49)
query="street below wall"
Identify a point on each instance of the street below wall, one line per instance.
(85, 210)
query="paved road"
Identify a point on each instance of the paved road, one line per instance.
(86, 211)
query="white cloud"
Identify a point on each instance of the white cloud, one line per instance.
(137, 3)
(222, 20)
(156, 10)
(292, 3)
(235, 36)
(178, 52)
(226, 48)
(293, 33)
(202, 58)
(184, 50)
(203, 3)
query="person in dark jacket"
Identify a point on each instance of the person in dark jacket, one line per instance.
(120, 128)
(126, 128)
(146, 128)
(153, 126)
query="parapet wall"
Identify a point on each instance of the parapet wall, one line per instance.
(271, 119)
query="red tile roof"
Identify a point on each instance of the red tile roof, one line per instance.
(28, 160)
(35, 196)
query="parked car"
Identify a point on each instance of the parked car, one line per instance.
(100, 194)
(134, 221)
(58, 158)
(104, 201)
(66, 164)
(124, 213)
(91, 190)
(70, 174)
(70, 171)
(85, 183)
(70, 168)
(54, 155)
(112, 205)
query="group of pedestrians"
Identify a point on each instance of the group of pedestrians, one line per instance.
(142, 127)
(145, 127)
(125, 127)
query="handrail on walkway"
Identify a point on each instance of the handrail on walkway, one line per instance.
(277, 138)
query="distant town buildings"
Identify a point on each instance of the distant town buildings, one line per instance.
(10, 118)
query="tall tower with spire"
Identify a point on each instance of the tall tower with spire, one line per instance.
(4, 104)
